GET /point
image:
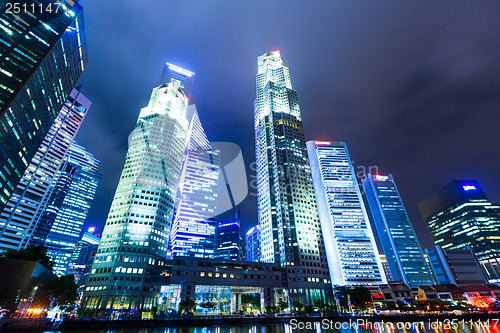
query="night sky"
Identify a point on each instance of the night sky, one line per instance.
(413, 88)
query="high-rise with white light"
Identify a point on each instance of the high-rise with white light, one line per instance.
(352, 253)
(136, 235)
(290, 232)
(399, 242)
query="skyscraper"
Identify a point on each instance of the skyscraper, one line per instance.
(42, 55)
(193, 226)
(402, 250)
(21, 216)
(83, 256)
(458, 266)
(136, 235)
(228, 239)
(460, 215)
(72, 195)
(252, 244)
(351, 250)
(287, 212)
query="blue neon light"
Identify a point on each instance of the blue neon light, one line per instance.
(469, 187)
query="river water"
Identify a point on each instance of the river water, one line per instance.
(304, 326)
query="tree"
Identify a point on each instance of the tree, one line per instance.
(360, 297)
(309, 309)
(282, 306)
(270, 309)
(36, 253)
(341, 294)
(207, 305)
(187, 306)
(64, 290)
(298, 305)
(319, 305)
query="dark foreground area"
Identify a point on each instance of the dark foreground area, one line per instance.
(445, 321)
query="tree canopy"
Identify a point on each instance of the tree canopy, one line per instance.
(35, 253)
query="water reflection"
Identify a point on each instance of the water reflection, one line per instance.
(318, 327)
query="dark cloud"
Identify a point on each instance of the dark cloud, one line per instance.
(411, 87)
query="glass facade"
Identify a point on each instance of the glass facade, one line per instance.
(229, 239)
(458, 266)
(402, 250)
(24, 210)
(84, 252)
(352, 253)
(42, 56)
(287, 212)
(73, 192)
(193, 226)
(460, 215)
(252, 244)
(136, 235)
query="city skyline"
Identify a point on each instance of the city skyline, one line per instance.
(357, 100)
(321, 223)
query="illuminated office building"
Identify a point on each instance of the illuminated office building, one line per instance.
(252, 244)
(72, 194)
(136, 235)
(351, 250)
(83, 256)
(21, 216)
(42, 56)
(385, 267)
(460, 215)
(402, 250)
(287, 212)
(458, 266)
(193, 227)
(229, 239)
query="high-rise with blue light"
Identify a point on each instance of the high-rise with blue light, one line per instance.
(399, 242)
(21, 218)
(83, 256)
(228, 239)
(73, 192)
(42, 56)
(460, 215)
(290, 232)
(194, 223)
(252, 244)
(351, 250)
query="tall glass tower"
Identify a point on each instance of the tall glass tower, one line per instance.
(193, 226)
(402, 250)
(229, 239)
(42, 56)
(352, 253)
(73, 192)
(252, 246)
(24, 210)
(136, 235)
(460, 215)
(287, 212)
